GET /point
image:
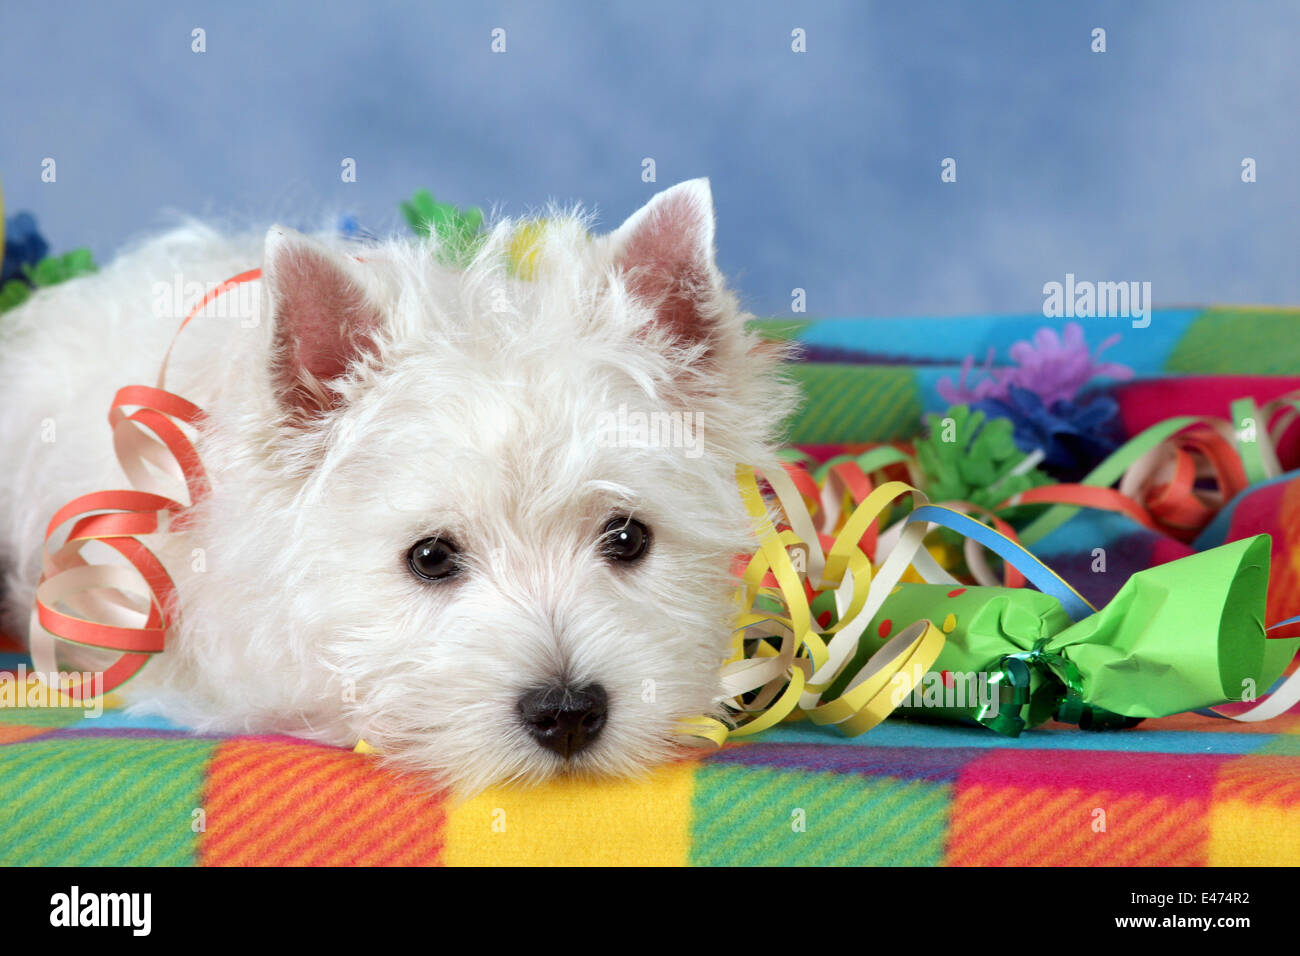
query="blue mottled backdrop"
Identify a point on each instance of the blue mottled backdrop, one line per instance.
(1118, 165)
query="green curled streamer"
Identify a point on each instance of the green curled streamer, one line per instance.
(1016, 670)
(1011, 683)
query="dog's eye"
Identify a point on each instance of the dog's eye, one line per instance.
(433, 559)
(624, 539)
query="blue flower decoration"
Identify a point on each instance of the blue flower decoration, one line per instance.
(1074, 436)
(24, 246)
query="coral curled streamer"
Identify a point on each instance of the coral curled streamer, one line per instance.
(112, 613)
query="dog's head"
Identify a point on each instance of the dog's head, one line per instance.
(499, 498)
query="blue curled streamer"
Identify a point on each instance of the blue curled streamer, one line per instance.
(1037, 573)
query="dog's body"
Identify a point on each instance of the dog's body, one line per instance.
(420, 528)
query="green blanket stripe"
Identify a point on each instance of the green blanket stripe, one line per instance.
(744, 816)
(780, 330)
(48, 717)
(844, 403)
(102, 801)
(1281, 745)
(1239, 341)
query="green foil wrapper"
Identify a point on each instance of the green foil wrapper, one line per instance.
(1177, 637)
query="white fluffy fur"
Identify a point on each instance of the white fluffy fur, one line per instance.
(478, 418)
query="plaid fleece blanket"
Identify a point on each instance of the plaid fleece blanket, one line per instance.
(1183, 790)
(1186, 790)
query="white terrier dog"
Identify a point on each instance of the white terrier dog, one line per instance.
(434, 521)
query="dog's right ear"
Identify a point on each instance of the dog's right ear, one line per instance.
(322, 321)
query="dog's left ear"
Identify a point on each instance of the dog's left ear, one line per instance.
(323, 321)
(665, 251)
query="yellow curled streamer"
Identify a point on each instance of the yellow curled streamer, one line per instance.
(788, 681)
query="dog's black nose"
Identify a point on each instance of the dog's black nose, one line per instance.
(564, 719)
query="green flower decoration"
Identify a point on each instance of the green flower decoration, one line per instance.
(457, 229)
(969, 457)
(49, 271)
(13, 293)
(55, 269)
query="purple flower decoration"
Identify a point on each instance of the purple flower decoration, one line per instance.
(1053, 367)
(965, 394)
